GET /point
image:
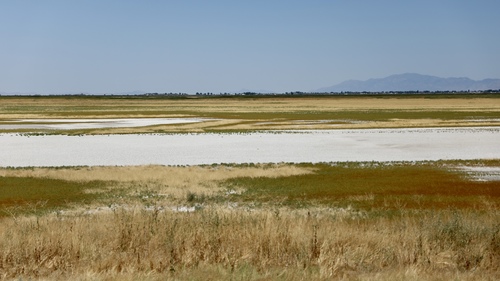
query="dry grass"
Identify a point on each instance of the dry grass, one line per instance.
(220, 239)
(176, 182)
(164, 174)
(245, 243)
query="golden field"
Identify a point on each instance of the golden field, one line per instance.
(265, 113)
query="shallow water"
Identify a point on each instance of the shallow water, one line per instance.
(264, 147)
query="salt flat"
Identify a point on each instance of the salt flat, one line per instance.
(72, 124)
(18, 150)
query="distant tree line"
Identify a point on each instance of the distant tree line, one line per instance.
(248, 93)
(165, 94)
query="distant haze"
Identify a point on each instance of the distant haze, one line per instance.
(217, 46)
(414, 82)
(397, 82)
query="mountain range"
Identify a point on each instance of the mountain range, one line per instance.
(397, 83)
(414, 82)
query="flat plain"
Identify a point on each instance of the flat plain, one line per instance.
(263, 113)
(355, 220)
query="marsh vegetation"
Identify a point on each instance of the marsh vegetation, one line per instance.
(392, 220)
(373, 220)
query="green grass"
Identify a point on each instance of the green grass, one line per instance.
(361, 185)
(353, 115)
(25, 194)
(369, 186)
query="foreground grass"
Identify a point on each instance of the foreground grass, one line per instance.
(361, 221)
(259, 244)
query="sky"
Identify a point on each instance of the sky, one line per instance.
(116, 46)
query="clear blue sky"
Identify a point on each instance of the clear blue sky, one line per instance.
(111, 46)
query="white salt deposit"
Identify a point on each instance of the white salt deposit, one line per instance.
(482, 173)
(72, 124)
(263, 147)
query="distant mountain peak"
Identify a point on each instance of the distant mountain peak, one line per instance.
(413, 82)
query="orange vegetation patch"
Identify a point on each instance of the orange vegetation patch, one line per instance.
(385, 186)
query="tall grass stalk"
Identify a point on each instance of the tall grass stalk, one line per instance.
(161, 244)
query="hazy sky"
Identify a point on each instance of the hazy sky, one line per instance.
(111, 46)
